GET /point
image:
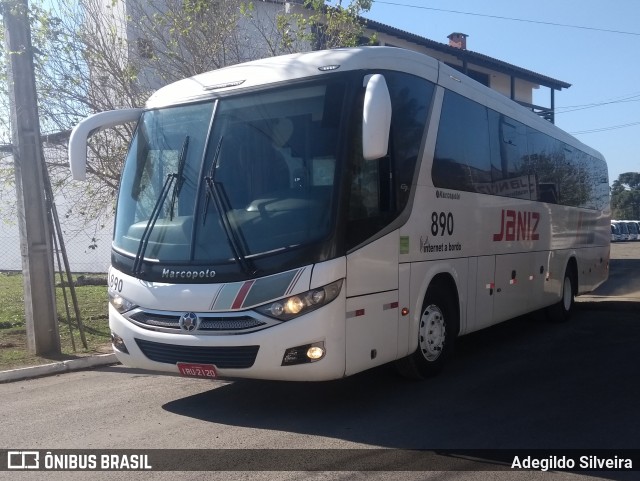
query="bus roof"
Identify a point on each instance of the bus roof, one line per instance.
(274, 70)
(292, 67)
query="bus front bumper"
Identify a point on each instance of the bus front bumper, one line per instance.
(276, 353)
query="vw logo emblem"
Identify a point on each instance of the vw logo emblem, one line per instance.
(189, 322)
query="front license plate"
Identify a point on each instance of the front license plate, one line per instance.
(207, 371)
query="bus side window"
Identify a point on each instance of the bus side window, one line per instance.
(543, 159)
(380, 188)
(462, 155)
(516, 174)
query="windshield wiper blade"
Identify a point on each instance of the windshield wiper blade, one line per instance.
(215, 191)
(155, 213)
(180, 175)
(211, 175)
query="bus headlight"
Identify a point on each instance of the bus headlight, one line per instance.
(291, 307)
(120, 303)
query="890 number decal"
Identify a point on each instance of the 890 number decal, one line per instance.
(441, 222)
(115, 284)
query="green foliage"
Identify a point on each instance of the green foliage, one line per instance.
(625, 197)
(93, 302)
(323, 24)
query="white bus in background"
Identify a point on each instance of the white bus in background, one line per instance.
(312, 216)
(616, 236)
(622, 226)
(632, 227)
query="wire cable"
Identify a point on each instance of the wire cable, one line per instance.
(512, 19)
(605, 129)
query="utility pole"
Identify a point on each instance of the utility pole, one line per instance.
(35, 237)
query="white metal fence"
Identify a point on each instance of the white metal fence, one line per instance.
(88, 245)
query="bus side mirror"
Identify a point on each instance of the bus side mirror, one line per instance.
(84, 130)
(376, 118)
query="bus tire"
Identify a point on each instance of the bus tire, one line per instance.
(563, 309)
(437, 330)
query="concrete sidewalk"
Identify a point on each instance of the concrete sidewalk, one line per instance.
(88, 362)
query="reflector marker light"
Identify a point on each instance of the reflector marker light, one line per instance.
(491, 285)
(513, 282)
(223, 85)
(356, 313)
(391, 305)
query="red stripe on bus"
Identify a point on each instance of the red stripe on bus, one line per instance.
(242, 295)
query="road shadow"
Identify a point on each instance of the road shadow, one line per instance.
(624, 280)
(524, 384)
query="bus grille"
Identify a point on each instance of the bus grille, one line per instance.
(223, 357)
(208, 324)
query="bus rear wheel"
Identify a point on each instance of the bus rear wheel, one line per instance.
(437, 331)
(563, 309)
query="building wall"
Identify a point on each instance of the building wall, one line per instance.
(497, 81)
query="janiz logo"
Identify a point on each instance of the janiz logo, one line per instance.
(518, 225)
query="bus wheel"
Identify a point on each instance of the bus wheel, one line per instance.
(562, 310)
(436, 334)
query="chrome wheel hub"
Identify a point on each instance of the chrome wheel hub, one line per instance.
(432, 333)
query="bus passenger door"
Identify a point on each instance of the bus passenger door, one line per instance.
(372, 304)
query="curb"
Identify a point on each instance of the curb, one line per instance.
(57, 367)
(609, 303)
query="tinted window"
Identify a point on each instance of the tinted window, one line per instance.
(411, 100)
(379, 189)
(462, 158)
(511, 172)
(544, 154)
(480, 150)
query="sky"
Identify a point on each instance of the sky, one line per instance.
(601, 60)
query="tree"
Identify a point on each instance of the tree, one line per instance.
(325, 25)
(94, 56)
(625, 196)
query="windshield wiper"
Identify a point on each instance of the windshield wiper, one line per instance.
(180, 175)
(177, 180)
(155, 213)
(211, 175)
(215, 191)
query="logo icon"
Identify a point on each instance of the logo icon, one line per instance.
(189, 322)
(23, 460)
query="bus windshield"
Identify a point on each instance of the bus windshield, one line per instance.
(231, 180)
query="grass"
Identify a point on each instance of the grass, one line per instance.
(92, 302)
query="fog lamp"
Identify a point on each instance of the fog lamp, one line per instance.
(118, 343)
(315, 353)
(304, 354)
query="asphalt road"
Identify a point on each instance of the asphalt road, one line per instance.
(523, 384)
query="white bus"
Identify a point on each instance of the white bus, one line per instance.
(311, 216)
